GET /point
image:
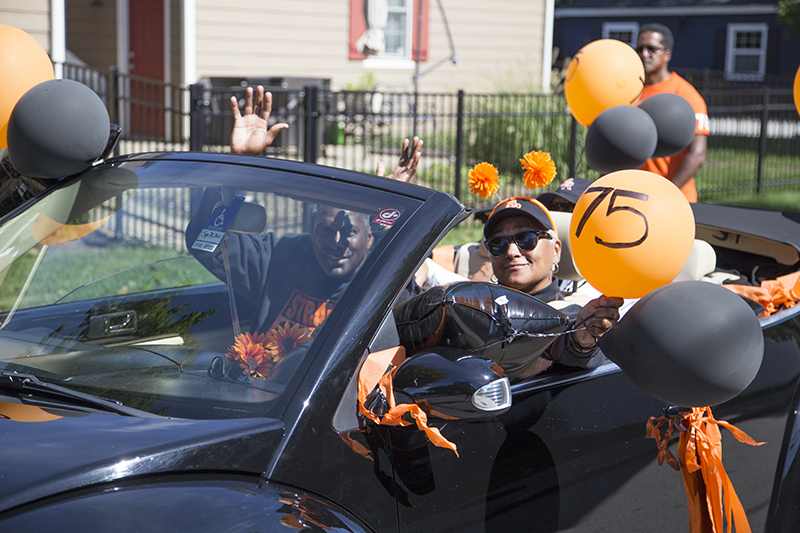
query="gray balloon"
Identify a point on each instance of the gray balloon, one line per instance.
(58, 128)
(620, 138)
(675, 121)
(688, 343)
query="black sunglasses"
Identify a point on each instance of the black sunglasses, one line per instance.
(525, 240)
(236, 371)
(652, 50)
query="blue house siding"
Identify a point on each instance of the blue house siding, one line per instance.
(784, 50)
(700, 39)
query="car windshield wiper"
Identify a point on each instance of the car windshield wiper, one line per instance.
(22, 383)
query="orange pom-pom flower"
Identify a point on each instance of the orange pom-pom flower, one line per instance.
(539, 169)
(483, 180)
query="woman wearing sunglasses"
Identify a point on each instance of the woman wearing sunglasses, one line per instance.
(524, 251)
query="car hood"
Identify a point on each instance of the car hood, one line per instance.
(50, 451)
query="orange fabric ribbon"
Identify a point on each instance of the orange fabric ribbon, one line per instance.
(773, 294)
(709, 491)
(378, 371)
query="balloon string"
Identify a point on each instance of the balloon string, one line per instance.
(565, 332)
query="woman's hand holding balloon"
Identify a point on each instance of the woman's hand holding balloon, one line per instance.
(595, 319)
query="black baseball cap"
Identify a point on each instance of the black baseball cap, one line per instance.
(518, 206)
(570, 190)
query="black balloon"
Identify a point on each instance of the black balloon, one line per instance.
(56, 129)
(507, 326)
(688, 343)
(675, 122)
(620, 138)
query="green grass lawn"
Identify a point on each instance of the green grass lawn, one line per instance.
(119, 269)
(772, 200)
(468, 231)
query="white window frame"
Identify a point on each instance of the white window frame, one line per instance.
(633, 27)
(386, 61)
(731, 53)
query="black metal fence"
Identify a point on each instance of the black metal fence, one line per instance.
(754, 144)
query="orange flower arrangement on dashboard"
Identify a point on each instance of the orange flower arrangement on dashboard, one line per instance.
(262, 351)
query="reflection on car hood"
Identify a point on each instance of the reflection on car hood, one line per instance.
(47, 452)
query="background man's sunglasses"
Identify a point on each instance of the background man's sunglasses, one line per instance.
(652, 50)
(525, 240)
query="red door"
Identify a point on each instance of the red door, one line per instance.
(146, 60)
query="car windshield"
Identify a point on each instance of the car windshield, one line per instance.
(191, 289)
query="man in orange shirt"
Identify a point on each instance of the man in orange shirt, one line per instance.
(654, 46)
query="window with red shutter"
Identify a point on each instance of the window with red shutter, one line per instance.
(407, 26)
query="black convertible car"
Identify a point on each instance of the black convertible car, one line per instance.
(191, 342)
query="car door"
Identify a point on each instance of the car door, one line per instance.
(571, 454)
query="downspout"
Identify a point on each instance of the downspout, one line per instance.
(189, 44)
(547, 46)
(167, 41)
(58, 37)
(188, 58)
(123, 38)
(167, 66)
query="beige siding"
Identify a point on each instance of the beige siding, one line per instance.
(497, 42)
(32, 16)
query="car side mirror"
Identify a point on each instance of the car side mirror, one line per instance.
(451, 384)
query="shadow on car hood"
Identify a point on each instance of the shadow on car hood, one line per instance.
(55, 450)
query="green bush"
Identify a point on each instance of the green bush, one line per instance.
(500, 129)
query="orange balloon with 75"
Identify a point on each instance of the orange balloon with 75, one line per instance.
(631, 232)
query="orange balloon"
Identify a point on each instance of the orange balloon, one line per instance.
(48, 231)
(23, 64)
(603, 74)
(631, 232)
(797, 90)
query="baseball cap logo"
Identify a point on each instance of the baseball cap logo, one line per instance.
(567, 185)
(513, 203)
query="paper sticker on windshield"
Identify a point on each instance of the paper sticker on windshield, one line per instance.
(221, 217)
(387, 216)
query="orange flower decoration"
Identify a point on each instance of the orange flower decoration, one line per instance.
(483, 180)
(251, 348)
(539, 169)
(283, 339)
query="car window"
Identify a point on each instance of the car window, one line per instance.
(183, 288)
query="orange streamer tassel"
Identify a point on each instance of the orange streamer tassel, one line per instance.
(374, 373)
(710, 495)
(774, 294)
